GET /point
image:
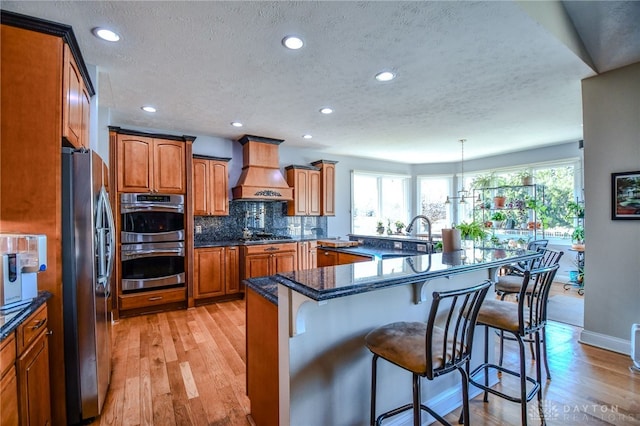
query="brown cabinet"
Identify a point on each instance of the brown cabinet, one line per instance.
(76, 103)
(8, 382)
(307, 255)
(327, 186)
(305, 181)
(210, 187)
(333, 258)
(268, 259)
(24, 387)
(147, 164)
(216, 272)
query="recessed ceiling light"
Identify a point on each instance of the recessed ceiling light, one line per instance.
(307, 136)
(148, 108)
(236, 124)
(385, 76)
(326, 110)
(292, 42)
(105, 34)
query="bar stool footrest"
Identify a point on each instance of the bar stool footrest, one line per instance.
(487, 366)
(407, 407)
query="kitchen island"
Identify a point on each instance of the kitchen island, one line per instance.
(305, 334)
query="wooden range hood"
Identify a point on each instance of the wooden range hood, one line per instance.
(261, 178)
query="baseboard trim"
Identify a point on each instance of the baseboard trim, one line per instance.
(606, 342)
(443, 403)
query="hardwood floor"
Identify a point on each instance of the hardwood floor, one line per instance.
(188, 368)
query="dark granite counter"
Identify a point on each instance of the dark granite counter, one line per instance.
(344, 280)
(267, 287)
(11, 319)
(227, 243)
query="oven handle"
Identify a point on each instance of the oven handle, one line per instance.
(132, 208)
(129, 255)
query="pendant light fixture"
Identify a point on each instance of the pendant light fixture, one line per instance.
(463, 194)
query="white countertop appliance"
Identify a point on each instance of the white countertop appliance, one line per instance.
(23, 256)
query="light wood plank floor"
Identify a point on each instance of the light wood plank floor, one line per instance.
(188, 368)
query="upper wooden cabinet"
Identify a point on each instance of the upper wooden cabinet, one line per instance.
(210, 186)
(305, 181)
(76, 103)
(327, 186)
(147, 164)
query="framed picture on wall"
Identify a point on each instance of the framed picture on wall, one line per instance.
(625, 196)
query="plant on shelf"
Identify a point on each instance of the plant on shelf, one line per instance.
(575, 209)
(499, 200)
(471, 231)
(380, 227)
(525, 176)
(399, 226)
(498, 218)
(483, 181)
(540, 209)
(578, 236)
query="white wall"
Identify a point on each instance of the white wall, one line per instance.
(611, 110)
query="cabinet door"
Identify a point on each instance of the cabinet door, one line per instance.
(327, 258)
(135, 163)
(86, 117)
(200, 171)
(209, 271)
(328, 207)
(313, 254)
(257, 265)
(313, 193)
(9, 399)
(284, 262)
(169, 162)
(33, 383)
(72, 85)
(232, 269)
(219, 192)
(303, 256)
(298, 178)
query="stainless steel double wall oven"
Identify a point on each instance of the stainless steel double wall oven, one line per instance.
(152, 241)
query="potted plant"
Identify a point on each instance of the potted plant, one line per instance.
(498, 218)
(399, 226)
(380, 227)
(578, 238)
(526, 177)
(483, 181)
(471, 231)
(575, 209)
(499, 200)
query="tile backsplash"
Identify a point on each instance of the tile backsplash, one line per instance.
(258, 216)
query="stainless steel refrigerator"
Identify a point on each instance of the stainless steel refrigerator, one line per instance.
(87, 264)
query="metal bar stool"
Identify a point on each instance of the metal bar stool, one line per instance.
(430, 349)
(526, 318)
(512, 284)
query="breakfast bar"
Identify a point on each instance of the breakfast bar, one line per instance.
(317, 369)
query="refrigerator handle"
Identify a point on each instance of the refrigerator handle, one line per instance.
(111, 231)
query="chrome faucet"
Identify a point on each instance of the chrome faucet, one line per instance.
(426, 219)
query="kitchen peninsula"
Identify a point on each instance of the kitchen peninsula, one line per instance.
(306, 359)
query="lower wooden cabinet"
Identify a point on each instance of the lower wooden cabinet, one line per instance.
(307, 255)
(216, 272)
(333, 258)
(268, 259)
(24, 369)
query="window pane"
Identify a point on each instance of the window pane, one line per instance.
(432, 194)
(365, 204)
(378, 198)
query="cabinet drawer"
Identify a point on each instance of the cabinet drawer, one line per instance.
(270, 248)
(31, 328)
(7, 353)
(152, 298)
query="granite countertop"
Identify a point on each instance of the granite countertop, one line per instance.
(228, 243)
(11, 319)
(374, 252)
(344, 280)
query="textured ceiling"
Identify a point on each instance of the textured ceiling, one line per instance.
(484, 71)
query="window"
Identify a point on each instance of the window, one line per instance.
(432, 193)
(378, 197)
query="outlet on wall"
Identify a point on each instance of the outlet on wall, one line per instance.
(421, 247)
(397, 245)
(198, 229)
